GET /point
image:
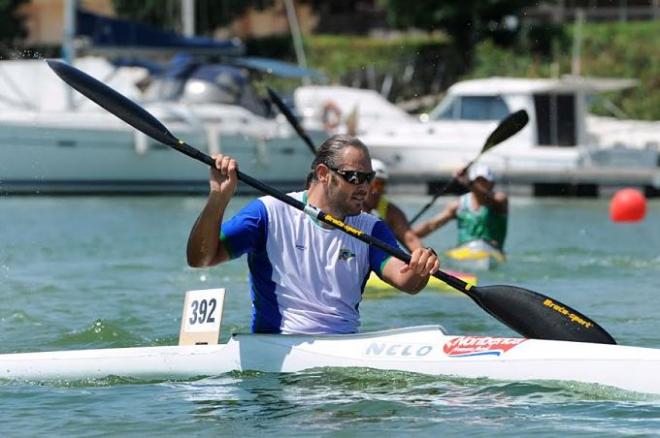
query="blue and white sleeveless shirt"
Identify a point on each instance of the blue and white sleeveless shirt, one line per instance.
(304, 278)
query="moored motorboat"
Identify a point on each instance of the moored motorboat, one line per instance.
(424, 349)
(562, 143)
(47, 147)
(477, 255)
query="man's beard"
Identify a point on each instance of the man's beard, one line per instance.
(341, 206)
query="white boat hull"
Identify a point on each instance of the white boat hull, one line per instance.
(54, 155)
(590, 150)
(425, 350)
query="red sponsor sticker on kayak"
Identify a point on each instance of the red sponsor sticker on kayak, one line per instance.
(469, 346)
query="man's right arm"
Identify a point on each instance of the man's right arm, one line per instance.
(204, 246)
(436, 222)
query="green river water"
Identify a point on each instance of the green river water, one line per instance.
(98, 272)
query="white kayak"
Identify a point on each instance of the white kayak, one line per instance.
(477, 255)
(424, 349)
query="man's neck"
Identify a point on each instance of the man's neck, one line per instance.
(482, 198)
(317, 197)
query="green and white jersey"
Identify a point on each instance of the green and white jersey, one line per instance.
(482, 224)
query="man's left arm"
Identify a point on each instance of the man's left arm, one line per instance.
(411, 277)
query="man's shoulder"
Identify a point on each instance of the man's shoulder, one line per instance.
(501, 198)
(364, 218)
(270, 201)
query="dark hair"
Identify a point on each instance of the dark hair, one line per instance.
(330, 152)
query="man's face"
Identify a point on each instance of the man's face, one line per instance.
(347, 190)
(482, 184)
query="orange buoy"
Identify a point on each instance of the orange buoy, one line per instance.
(628, 205)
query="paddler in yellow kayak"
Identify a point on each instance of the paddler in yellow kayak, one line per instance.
(481, 214)
(377, 203)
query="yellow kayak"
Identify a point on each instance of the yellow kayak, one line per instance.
(377, 287)
(476, 256)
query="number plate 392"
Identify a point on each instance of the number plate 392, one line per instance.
(203, 311)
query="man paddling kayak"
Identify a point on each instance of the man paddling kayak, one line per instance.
(377, 203)
(481, 213)
(305, 276)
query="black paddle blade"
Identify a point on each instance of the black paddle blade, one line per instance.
(537, 316)
(112, 101)
(507, 128)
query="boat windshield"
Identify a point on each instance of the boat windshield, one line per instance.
(164, 89)
(209, 84)
(470, 108)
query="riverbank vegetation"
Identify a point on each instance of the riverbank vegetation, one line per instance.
(428, 63)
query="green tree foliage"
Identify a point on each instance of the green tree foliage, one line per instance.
(166, 14)
(466, 21)
(415, 64)
(625, 50)
(628, 50)
(11, 23)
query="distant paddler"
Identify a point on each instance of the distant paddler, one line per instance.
(378, 204)
(481, 216)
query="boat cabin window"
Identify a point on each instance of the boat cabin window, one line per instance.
(470, 108)
(164, 89)
(555, 119)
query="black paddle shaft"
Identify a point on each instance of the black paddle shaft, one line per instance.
(529, 313)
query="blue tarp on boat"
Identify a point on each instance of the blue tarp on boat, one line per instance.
(275, 67)
(114, 33)
(183, 65)
(123, 37)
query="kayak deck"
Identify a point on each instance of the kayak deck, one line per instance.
(376, 287)
(424, 349)
(477, 255)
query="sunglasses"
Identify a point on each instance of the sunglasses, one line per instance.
(353, 176)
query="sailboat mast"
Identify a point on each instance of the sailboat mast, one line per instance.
(68, 43)
(188, 17)
(296, 35)
(577, 42)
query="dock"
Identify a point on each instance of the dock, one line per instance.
(586, 181)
